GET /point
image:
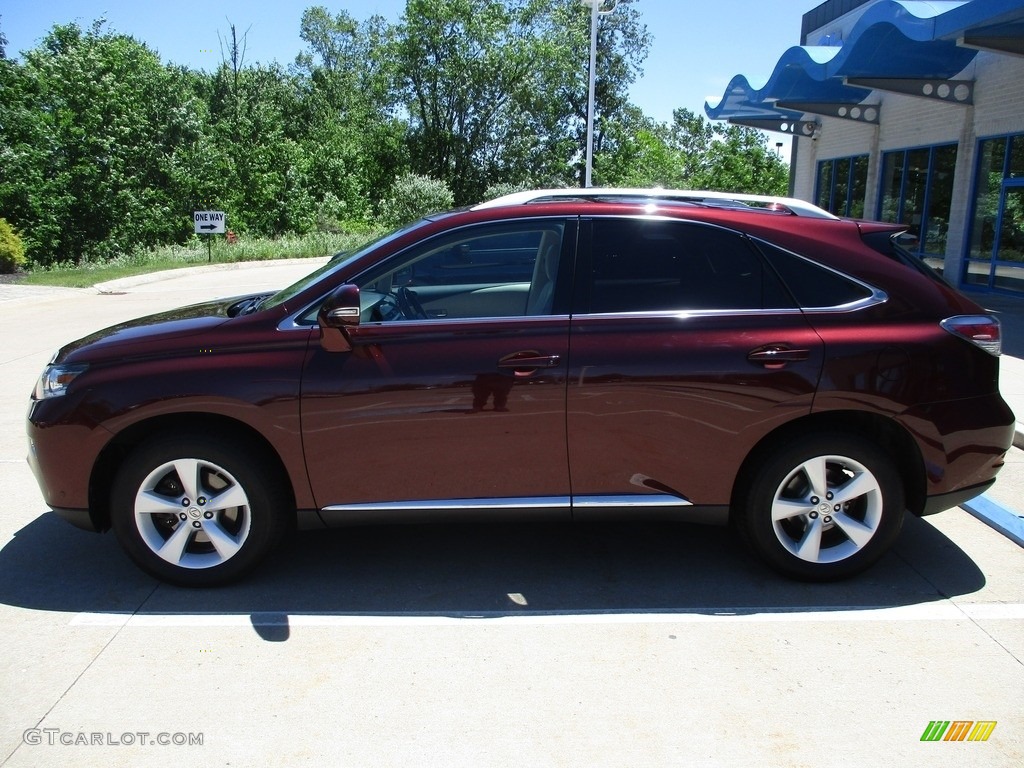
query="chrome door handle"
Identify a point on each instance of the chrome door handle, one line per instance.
(529, 361)
(775, 356)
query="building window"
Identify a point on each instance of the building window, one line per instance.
(843, 185)
(995, 258)
(917, 191)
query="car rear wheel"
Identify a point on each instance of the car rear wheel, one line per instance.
(197, 511)
(824, 507)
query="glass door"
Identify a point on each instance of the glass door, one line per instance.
(1009, 240)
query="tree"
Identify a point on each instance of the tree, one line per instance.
(690, 153)
(462, 63)
(496, 90)
(739, 160)
(12, 252)
(95, 117)
(353, 144)
(622, 45)
(412, 197)
(104, 150)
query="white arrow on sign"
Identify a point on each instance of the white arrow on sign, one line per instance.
(209, 222)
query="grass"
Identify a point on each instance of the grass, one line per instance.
(195, 254)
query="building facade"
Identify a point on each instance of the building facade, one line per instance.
(908, 112)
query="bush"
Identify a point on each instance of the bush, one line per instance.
(12, 252)
(500, 190)
(414, 196)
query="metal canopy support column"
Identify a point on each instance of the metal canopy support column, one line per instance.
(949, 91)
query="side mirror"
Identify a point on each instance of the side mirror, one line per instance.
(337, 316)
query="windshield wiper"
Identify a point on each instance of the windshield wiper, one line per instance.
(248, 306)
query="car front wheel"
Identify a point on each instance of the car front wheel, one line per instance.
(824, 507)
(197, 511)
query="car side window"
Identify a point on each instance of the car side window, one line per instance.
(643, 265)
(814, 286)
(502, 270)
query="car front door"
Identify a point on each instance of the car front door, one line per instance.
(686, 350)
(452, 397)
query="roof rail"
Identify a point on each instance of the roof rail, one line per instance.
(697, 197)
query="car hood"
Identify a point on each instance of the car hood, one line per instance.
(135, 337)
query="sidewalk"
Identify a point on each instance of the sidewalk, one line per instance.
(1010, 311)
(1002, 507)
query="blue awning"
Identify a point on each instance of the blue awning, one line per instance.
(893, 39)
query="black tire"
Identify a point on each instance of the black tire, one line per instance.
(826, 528)
(197, 511)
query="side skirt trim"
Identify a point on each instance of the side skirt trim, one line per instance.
(641, 506)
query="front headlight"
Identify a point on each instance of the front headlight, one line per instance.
(55, 379)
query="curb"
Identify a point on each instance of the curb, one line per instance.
(112, 287)
(998, 517)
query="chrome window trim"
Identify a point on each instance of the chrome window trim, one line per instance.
(877, 295)
(289, 324)
(686, 314)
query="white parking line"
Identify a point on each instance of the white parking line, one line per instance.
(937, 611)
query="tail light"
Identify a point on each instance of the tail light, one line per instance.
(981, 330)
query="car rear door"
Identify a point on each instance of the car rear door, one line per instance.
(686, 350)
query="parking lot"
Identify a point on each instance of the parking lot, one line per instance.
(486, 645)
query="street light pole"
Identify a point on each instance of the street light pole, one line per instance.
(590, 97)
(595, 9)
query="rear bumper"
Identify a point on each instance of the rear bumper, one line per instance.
(963, 444)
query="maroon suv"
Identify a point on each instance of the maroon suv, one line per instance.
(559, 354)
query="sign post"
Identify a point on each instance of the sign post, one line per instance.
(209, 223)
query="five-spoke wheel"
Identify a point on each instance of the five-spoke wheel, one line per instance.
(824, 507)
(196, 511)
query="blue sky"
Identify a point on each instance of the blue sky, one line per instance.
(698, 46)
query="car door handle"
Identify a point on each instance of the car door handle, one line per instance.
(540, 360)
(523, 364)
(775, 356)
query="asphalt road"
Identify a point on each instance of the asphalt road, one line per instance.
(487, 645)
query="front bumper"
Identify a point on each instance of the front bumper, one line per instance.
(944, 501)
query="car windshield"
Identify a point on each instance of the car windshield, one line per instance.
(335, 263)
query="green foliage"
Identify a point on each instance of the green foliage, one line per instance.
(194, 253)
(691, 153)
(413, 197)
(105, 151)
(12, 252)
(96, 117)
(504, 188)
(495, 91)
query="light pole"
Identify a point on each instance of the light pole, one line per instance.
(595, 9)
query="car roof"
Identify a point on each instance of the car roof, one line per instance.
(704, 198)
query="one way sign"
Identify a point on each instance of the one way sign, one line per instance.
(209, 222)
